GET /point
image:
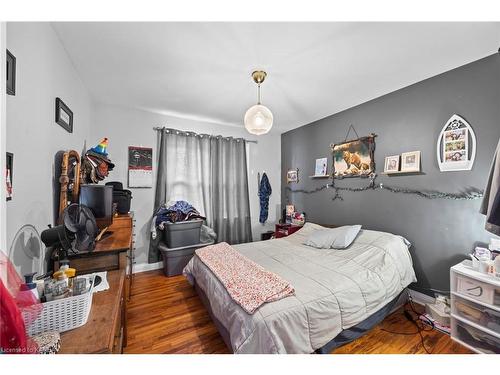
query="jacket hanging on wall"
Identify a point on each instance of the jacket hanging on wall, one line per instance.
(491, 201)
(264, 193)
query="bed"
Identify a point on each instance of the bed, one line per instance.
(338, 293)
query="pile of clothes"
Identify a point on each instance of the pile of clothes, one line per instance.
(174, 212)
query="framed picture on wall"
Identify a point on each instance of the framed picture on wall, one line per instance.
(321, 167)
(292, 175)
(354, 158)
(140, 167)
(391, 164)
(11, 74)
(8, 174)
(456, 145)
(410, 161)
(64, 116)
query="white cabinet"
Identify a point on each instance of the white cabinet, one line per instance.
(475, 309)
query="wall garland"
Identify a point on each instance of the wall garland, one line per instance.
(470, 194)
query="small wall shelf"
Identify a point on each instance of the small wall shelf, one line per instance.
(320, 176)
(399, 173)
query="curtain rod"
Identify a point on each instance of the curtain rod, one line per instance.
(157, 128)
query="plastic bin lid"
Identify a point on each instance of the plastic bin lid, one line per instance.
(163, 246)
(192, 221)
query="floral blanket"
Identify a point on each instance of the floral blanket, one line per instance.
(248, 284)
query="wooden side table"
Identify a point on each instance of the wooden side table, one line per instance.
(283, 230)
(267, 235)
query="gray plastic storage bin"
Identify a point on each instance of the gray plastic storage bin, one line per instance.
(182, 233)
(175, 259)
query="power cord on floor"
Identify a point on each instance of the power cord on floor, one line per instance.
(408, 314)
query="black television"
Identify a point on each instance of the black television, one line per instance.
(99, 198)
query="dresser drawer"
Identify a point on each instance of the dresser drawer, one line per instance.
(121, 222)
(478, 290)
(119, 330)
(96, 263)
(474, 337)
(485, 316)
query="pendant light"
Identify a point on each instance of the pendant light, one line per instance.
(258, 118)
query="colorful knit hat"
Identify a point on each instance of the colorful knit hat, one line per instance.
(101, 147)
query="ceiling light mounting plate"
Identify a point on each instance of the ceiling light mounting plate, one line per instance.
(259, 76)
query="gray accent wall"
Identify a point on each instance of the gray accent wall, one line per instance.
(442, 232)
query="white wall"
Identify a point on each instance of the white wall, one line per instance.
(127, 127)
(3, 128)
(44, 72)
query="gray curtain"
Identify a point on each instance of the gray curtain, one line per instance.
(210, 172)
(491, 200)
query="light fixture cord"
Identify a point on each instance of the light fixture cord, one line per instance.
(258, 100)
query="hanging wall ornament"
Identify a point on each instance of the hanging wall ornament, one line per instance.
(456, 145)
(354, 158)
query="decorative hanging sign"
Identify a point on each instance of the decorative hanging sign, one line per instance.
(354, 158)
(456, 145)
(140, 167)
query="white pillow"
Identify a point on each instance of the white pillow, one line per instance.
(334, 238)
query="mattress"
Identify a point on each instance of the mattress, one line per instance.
(334, 290)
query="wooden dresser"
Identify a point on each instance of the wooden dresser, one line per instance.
(113, 252)
(106, 328)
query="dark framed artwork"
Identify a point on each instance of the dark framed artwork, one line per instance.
(64, 115)
(11, 73)
(292, 175)
(140, 167)
(8, 174)
(354, 158)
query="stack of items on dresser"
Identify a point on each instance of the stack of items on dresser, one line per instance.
(182, 230)
(95, 164)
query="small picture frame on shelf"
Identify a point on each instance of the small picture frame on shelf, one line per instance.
(290, 210)
(391, 164)
(410, 161)
(321, 168)
(64, 116)
(292, 175)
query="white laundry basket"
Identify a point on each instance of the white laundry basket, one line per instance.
(59, 315)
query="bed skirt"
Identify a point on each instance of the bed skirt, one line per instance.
(220, 327)
(344, 337)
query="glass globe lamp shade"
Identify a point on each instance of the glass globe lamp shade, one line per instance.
(258, 119)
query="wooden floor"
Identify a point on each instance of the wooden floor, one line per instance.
(165, 315)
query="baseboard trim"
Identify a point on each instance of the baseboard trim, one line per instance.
(421, 298)
(144, 267)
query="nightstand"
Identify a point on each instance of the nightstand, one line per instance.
(283, 230)
(267, 235)
(475, 309)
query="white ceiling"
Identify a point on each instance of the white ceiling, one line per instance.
(202, 70)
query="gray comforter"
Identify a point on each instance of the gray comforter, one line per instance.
(334, 290)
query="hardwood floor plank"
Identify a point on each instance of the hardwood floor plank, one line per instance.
(165, 315)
